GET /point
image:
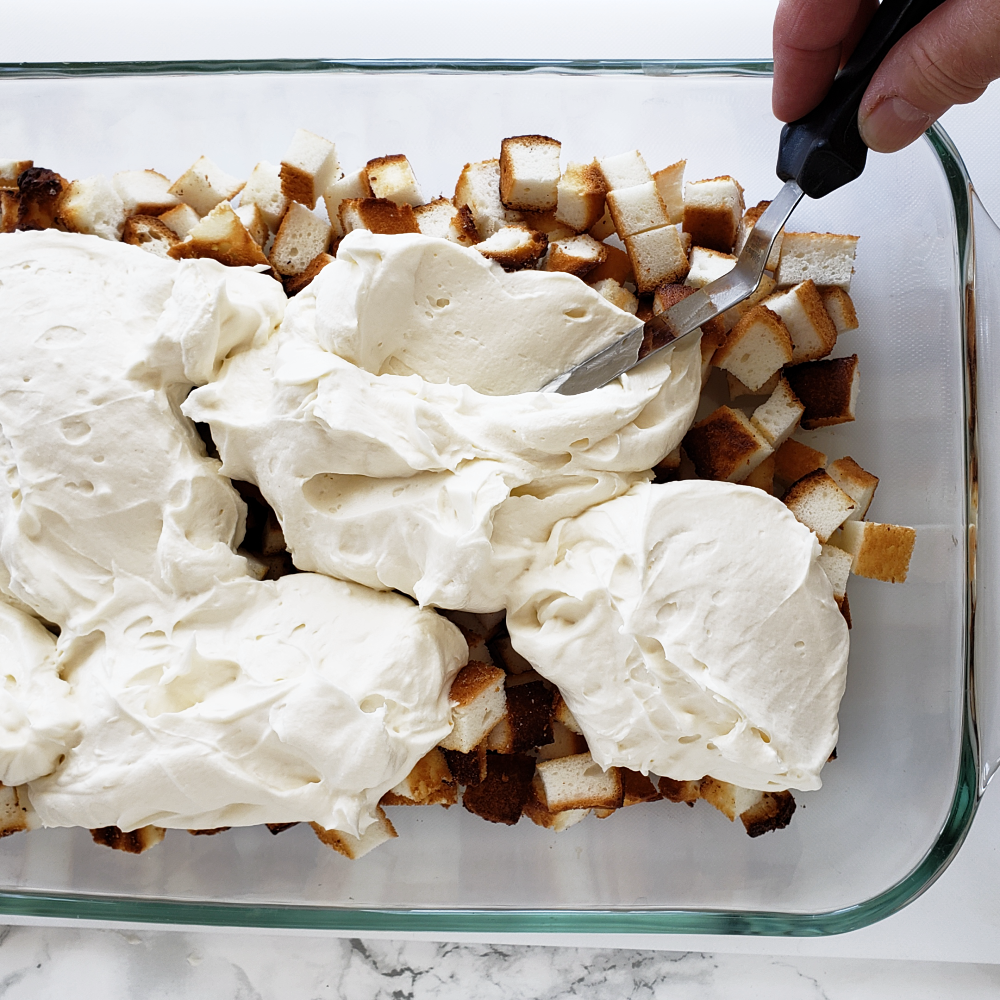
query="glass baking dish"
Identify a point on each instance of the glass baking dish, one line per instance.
(918, 735)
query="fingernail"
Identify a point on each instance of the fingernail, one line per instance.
(892, 124)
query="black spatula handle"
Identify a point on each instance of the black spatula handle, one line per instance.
(823, 150)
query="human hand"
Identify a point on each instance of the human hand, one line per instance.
(948, 58)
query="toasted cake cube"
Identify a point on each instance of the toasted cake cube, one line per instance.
(616, 294)
(529, 172)
(565, 743)
(825, 258)
(840, 307)
(467, 768)
(440, 218)
(667, 469)
(148, 232)
(478, 188)
(616, 265)
(580, 196)
(93, 206)
(263, 189)
(819, 503)
(604, 227)
(546, 222)
(37, 201)
(712, 333)
(506, 656)
(514, 247)
(707, 265)
(308, 168)
(679, 791)
(738, 389)
(731, 800)
(778, 417)
(879, 551)
(625, 170)
(429, 783)
(562, 714)
(294, 283)
(770, 811)
(758, 346)
(144, 192)
(539, 814)
(637, 788)
(857, 483)
(11, 170)
(813, 334)
(392, 177)
(10, 203)
(793, 460)
(725, 446)
(836, 563)
(747, 223)
(203, 185)
(827, 389)
(132, 841)
(357, 847)
(478, 701)
(253, 221)
(501, 796)
(13, 813)
(527, 719)
(762, 478)
(657, 257)
(578, 782)
(302, 236)
(636, 209)
(378, 215)
(181, 220)
(352, 186)
(713, 209)
(670, 185)
(222, 237)
(577, 255)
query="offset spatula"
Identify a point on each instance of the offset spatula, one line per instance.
(816, 155)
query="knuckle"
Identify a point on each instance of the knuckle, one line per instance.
(940, 77)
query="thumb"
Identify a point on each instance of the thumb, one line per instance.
(948, 58)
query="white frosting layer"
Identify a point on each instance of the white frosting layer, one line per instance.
(203, 697)
(692, 631)
(416, 305)
(435, 490)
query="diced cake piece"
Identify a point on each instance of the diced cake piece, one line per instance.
(793, 460)
(636, 209)
(353, 186)
(819, 503)
(857, 483)
(251, 218)
(478, 187)
(478, 700)
(762, 478)
(713, 209)
(840, 307)
(580, 196)
(357, 847)
(777, 418)
(625, 170)
(203, 185)
(527, 719)
(429, 783)
(506, 656)
(680, 791)
(879, 551)
(38, 199)
(565, 743)
(10, 204)
(546, 222)
(539, 814)
(10, 170)
(729, 799)
(757, 347)
(514, 247)
(392, 177)
(467, 768)
(812, 331)
(707, 265)
(769, 811)
(616, 264)
(836, 563)
(93, 206)
(263, 189)
(308, 168)
(747, 223)
(148, 232)
(13, 813)
(529, 172)
(616, 294)
(738, 389)
(668, 295)
(440, 218)
(302, 236)
(294, 283)
(637, 788)
(132, 842)
(826, 258)
(222, 237)
(577, 255)
(501, 796)
(670, 184)
(657, 257)
(725, 446)
(144, 192)
(562, 714)
(578, 782)
(604, 227)
(377, 215)
(827, 389)
(181, 220)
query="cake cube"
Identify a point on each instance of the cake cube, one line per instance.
(577, 255)
(827, 389)
(738, 389)
(429, 783)
(565, 743)
(768, 811)
(819, 503)
(301, 236)
(812, 331)
(350, 187)
(220, 236)
(616, 294)
(778, 417)
(756, 348)
(440, 218)
(625, 170)
(294, 283)
(713, 209)
(10, 171)
(670, 185)
(604, 227)
(527, 718)
(149, 233)
(131, 841)
(539, 814)
(392, 177)
(836, 563)
(562, 715)
(636, 209)
(203, 185)
(357, 847)
(514, 247)
(181, 219)
(308, 168)
(687, 792)
(840, 308)
(93, 206)
(478, 700)
(578, 782)
(793, 460)
(144, 192)
(857, 483)
(501, 796)
(825, 258)
(529, 172)
(252, 219)
(879, 551)
(707, 265)
(762, 478)
(657, 257)
(580, 196)
(732, 316)
(263, 189)
(725, 446)
(616, 264)
(478, 187)
(377, 215)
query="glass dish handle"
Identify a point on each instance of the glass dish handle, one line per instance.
(983, 345)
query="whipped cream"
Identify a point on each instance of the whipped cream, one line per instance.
(691, 631)
(430, 488)
(181, 691)
(414, 305)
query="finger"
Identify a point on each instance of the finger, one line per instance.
(949, 58)
(809, 38)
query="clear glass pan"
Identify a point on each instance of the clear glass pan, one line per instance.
(896, 804)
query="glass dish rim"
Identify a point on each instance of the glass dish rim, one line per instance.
(968, 788)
